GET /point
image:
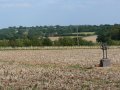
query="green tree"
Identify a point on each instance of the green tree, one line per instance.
(27, 42)
(66, 41)
(36, 42)
(19, 42)
(4, 43)
(47, 42)
(12, 43)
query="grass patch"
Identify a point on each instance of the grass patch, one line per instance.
(77, 66)
(8, 62)
(39, 65)
(84, 33)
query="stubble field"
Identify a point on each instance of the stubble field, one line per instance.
(72, 69)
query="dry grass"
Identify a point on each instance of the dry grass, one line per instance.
(58, 70)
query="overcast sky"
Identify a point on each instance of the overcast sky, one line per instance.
(58, 12)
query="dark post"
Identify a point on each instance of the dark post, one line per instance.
(103, 54)
(104, 62)
(106, 53)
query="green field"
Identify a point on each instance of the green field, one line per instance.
(85, 33)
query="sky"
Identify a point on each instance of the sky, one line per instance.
(58, 12)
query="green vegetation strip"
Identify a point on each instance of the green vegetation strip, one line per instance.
(56, 48)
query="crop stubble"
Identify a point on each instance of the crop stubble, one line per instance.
(72, 69)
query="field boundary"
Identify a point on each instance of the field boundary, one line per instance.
(56, 47)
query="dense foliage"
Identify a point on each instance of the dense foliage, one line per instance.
(66, 41)
(109, 34)
(44, 31)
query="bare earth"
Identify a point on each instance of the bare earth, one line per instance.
(73, 69)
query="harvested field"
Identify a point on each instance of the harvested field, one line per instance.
(54, 38)
(91, 38)
(72, 69)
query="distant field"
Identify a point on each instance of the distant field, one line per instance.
(91, 38)
(72, 69)
(88, 38)
(54, 38)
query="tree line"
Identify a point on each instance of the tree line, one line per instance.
(109, 34)
(39, 35)
(65, 41)
(44, 31)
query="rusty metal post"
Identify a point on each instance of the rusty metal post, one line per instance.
(104, 62)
